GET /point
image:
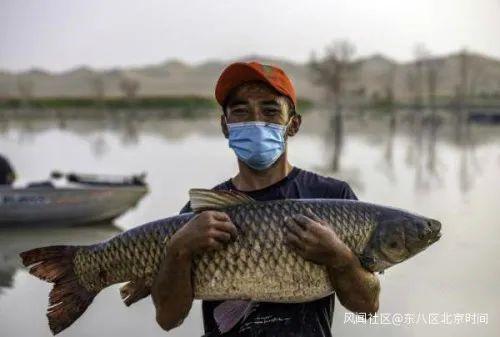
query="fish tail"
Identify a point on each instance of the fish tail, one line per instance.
(68, 299)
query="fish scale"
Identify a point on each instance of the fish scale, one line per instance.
(272, 267)
(258, 252)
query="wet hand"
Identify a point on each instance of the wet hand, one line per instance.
(314, 240)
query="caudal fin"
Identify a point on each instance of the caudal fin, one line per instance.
(67, 299)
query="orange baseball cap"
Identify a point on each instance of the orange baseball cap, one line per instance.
(240, 72)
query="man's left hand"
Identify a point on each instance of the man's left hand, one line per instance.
(314, 240)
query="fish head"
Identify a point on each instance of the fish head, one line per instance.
(398, 236)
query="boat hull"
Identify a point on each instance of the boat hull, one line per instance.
(41, 206)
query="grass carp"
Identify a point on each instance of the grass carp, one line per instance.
(255, 266)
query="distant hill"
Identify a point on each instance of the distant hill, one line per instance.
(175, 77)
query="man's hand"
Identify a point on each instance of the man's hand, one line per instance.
(208, 230)
(317, 242)
(172, 290)
(356, 288)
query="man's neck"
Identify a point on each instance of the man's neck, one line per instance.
(249, 179)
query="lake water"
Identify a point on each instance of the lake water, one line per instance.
(457, 182)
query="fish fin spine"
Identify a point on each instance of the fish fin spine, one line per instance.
(134, 291)
(204, 199)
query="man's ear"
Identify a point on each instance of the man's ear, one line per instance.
(294, 125)
(223, 125)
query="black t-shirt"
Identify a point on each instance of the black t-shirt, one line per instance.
(310, 319)
(6, 172)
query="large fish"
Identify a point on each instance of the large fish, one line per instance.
(256, 266)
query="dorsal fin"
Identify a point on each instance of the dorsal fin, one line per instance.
(203, 199)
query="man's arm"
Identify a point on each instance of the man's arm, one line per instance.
(357, 289)
(172, 290)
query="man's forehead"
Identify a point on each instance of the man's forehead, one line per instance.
(254, 90)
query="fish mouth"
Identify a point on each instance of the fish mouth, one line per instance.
(435, 227)
(431, 234)
(434, 238)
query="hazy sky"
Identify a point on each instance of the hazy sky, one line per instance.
(62, 34)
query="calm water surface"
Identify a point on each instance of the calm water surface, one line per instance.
(457, 182)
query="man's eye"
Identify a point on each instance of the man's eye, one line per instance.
(239, 111)
(271, 111)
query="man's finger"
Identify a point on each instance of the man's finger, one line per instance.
(220, 216)
(295, 228)
(225, 226)
(213, 244)
(302, 220)
(312, 215)
(220, 236)
(294, 241)
(303, 235)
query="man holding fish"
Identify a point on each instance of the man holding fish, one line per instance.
(265, 250)
(258, 103)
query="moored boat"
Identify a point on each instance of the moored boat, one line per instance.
(87, 199)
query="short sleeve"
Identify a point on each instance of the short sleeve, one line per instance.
(347, 192)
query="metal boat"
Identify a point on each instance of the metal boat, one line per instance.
(88, 199)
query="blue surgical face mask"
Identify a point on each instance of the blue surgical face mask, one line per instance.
(257, 144)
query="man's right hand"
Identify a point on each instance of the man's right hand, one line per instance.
(208, 230)
(172, 291)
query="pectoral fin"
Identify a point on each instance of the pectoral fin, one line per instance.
(134, 291)
(229, 313)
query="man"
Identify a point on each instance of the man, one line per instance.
(7, 175)
(258, 103)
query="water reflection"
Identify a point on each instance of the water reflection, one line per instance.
(425, 152)
(388, 158)
(131, 130)
(334, 142)
(422, 132)
(427, 136)
(387, 165)
(99, 146)
(469, 166)
(336, 136)
(4, 124)
(129, 124)
(14, 241)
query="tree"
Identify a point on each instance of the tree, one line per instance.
(98, 88)
(433, 67)
(129, 87)
(25, 87)
(421, 55)
(463, 92)
(333, 71)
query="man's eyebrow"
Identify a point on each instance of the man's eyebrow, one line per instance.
(270, 102)
(244, 102)
(237, 102)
